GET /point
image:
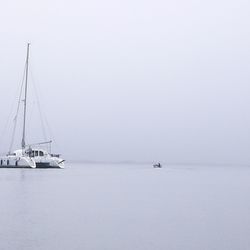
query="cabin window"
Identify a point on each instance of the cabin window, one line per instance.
(32, 154)
(1, 162)
(36, 153)
(41, 153)
(8, 162)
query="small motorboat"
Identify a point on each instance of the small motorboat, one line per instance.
(157, 165)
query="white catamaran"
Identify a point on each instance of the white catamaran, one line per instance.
(30, 156)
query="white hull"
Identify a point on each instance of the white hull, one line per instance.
(11, 161)
(17, 162)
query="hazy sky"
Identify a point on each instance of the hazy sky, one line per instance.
(133, 80)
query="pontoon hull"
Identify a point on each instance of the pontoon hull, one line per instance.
(17, 162)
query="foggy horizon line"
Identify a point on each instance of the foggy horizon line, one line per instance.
(138, 162)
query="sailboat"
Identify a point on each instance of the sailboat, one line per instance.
(30, 155)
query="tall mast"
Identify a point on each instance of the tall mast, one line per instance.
(25, 96)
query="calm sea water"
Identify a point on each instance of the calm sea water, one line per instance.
(125, 207)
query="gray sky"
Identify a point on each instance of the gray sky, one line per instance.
(133, 80)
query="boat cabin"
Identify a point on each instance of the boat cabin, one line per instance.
(40, 153)
(34, 153)
(37, 152)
